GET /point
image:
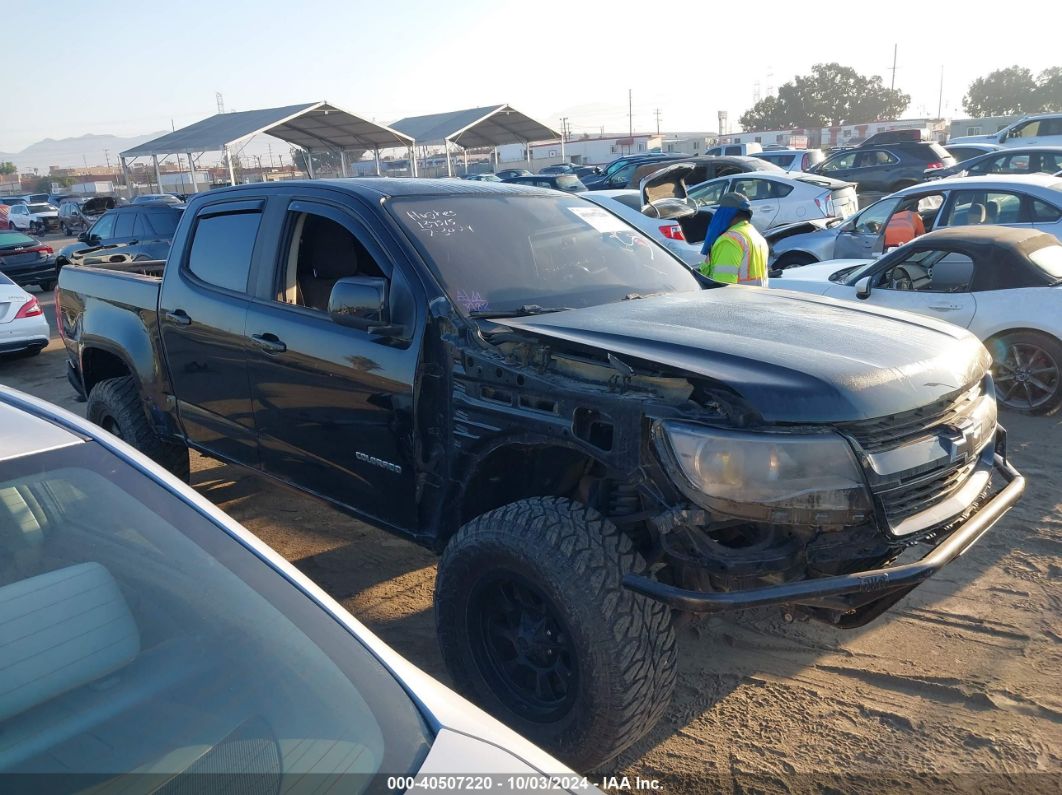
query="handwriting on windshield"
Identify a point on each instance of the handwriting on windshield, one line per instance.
(438, 223)
(471, 300)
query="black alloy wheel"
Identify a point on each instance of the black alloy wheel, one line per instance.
(523, 649)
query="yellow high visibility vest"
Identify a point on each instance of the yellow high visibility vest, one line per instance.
(739, 256)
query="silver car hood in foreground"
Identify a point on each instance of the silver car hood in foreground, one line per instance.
(470, 738)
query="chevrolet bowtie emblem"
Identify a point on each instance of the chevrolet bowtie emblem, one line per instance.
(960, 441)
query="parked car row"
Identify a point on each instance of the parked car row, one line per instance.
(1033, 200)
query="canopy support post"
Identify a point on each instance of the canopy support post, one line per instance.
(158, 174)
(413, 159)
(449, 165)
(125, 177)
(377, 153)
(309, 164)
(191, 172)
(232, 171)
(465, 152)
(343, 163)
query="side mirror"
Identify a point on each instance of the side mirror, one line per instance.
(361, 302)
(83, 237)
(862, 288)
(1002, 137)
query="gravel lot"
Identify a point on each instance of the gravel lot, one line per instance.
(956, 689)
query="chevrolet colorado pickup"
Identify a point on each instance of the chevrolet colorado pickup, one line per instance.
(598, 442)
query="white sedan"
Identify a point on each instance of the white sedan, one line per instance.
(1004, 284)
(782, 198)
(627, 204)
(36, 218)
(23, 327)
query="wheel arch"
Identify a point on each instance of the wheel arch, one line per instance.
(514, 469)
(988, 339)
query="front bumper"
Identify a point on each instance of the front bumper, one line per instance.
(863, 594)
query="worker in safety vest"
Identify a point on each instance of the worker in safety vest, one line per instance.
(737, 252)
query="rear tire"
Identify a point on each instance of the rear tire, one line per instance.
(535, 627)
(66, 230)
(47, 286)
(1028, 372)
(793, 260)
(114, 405)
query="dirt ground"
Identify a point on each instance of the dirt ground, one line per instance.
(957, 688)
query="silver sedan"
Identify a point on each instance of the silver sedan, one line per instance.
(1028, 201)
(782, 198)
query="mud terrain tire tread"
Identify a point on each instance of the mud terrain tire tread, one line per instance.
(119, 400)
(626, 643)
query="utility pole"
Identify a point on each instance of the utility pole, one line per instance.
(658, 121)
(630, 113)
(895, 47)
(107, 157)
(940, 97)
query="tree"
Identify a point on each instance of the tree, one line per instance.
(1049, 89)
(7, 167)
(1004, 92)
(322, 161)
(767, 114)
(831, 94)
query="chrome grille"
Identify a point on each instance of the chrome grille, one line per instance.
(884, 433)
(925, 492)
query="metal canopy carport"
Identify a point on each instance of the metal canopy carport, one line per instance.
(314, 127)
(493, 126)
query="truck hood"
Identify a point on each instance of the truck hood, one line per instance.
(794, 357)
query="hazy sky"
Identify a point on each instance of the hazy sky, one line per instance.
(130, 67)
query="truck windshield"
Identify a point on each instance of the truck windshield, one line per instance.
(500, 252)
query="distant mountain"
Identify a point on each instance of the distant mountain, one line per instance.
(70, 152)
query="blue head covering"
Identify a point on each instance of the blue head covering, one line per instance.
(724, 216)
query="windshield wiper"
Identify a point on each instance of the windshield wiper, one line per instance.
(523, 311)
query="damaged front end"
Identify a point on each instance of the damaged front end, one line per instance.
(814, 521)
(732, 511)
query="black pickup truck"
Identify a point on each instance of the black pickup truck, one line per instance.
(599, 442)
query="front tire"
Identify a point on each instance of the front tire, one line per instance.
(1027, 370)
(535, 627)
(114, 405)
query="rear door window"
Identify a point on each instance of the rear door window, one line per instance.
(222, 246)
(123, 224)
(163, 224)
(974, 207)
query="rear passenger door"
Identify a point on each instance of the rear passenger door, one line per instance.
(202, 317)
(764, 198)
(333, 405)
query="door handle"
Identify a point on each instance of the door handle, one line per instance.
(178, 317)
(945, 307)
(132, 242)
(269, 343)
